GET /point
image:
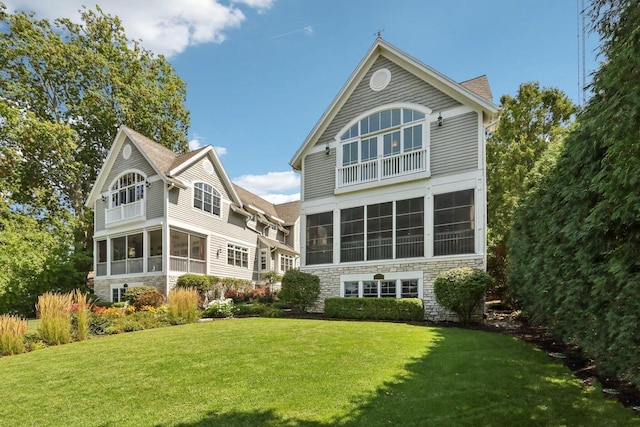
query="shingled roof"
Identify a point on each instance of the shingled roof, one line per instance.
(288, 212)
(164, 161)
(479, 86)
(161, 157)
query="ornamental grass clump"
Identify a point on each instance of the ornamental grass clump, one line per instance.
(54, 310)
(82, 312)
(183, 305)
(12, 331)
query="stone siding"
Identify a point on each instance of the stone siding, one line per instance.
(330, 281)
(102, 286)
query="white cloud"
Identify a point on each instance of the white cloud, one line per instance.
(276, 187)
(194, 144)
(165, 26)
(281, 198)
(260, 5)
(221, 151)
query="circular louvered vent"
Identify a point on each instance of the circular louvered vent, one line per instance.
(380, 79)
(208, 167)
(126, 151)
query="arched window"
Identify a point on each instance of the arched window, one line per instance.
(388, 143)
(206, 198)
(128, 188)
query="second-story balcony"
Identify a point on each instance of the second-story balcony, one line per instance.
(383, 168)
(125, 213)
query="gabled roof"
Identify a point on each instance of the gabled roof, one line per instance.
(165, 162)
(287, 213)
(277, 245)
(381, 48)
(480, 86)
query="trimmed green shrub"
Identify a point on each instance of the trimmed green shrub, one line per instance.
(299, 289)
(132, 294)
(406, 309)
(198, 281)
(462, 290)
(149, 299)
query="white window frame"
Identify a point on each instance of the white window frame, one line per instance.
(238, 250)
(121, 289)
(287, 262)
(215, 197)
(139, 185)
(398, 277)
(379, 134)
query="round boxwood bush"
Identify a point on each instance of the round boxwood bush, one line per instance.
(299, 289)
(462, 290)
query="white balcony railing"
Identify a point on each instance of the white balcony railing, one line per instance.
(383, 168)
(130, 211)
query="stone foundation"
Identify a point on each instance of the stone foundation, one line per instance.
(330, 281)
(102, 286)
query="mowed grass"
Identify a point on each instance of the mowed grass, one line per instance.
(294, 372)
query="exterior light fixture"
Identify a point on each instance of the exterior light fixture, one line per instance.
(104, 198)
(147, 183)
(440, 120)
(327, 149)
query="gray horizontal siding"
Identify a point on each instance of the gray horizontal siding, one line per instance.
(181, 205)
(218, 265)
(99, 215)
(135, 161)
(319, 175)
(403, 87)
(454, 146)
(155, 200)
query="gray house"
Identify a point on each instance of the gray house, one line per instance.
(393, 181)
(159, 215)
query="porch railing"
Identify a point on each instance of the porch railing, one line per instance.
(383, 168)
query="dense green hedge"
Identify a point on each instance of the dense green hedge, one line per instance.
(574, 260)
(408, 309)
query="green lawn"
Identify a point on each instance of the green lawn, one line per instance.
(294, 372)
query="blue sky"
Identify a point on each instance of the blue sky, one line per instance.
(260, 73)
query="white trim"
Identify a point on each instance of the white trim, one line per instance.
(396, 276)
(113, 286)
(422, 71)
(172, 223)
(408, 105)
(118, 231)
(202, 211)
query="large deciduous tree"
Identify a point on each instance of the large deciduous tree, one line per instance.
(529, 123)
(574, 248)
(65, 88)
